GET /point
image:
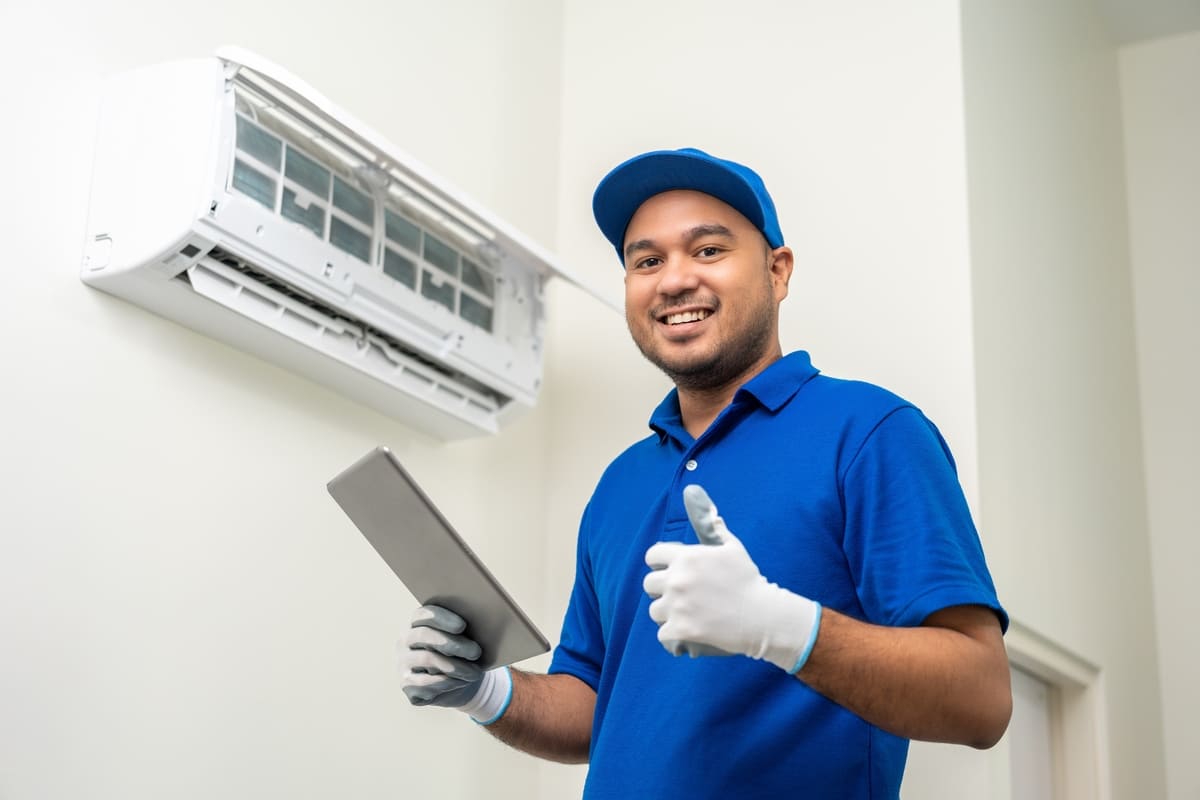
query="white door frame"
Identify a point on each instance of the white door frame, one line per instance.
(1078, 720)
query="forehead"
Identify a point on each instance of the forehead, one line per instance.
(680, 210)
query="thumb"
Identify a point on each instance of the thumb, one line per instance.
(710, 528)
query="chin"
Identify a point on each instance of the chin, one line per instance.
(696, 373)
(689, 364)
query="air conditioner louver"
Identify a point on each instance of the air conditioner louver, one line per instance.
(224, 279)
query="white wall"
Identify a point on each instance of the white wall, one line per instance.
(1060, 452)
(184, 612)
(1162, 125)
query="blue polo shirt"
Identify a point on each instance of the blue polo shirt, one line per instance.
(841, 492)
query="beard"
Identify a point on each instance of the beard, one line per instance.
(730, 360)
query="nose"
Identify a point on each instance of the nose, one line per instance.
(678, 275)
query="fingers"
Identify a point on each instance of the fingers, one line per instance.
(655, 583)
(702, 512)
(443, 619)
(436, 665)
(662, 554)
(437, 628)
(447, 644)
(424, 689)
(696, 650)
(659, 611)
(687, 582)
(431, 662)
(677, 639)
(675, 648)
(437, 659)
(435, 645)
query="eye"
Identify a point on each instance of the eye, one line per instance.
(709, 251)
(647, 263)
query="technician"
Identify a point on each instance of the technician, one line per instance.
(839, 604)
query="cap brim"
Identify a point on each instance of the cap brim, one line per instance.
(622, 192)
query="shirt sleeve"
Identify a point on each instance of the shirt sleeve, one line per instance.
(580, 650)
(910, 542)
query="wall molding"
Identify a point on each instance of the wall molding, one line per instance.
(1079, 711)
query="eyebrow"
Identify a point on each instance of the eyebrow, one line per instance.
(689, 236)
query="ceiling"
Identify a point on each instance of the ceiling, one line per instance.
(1136, 20)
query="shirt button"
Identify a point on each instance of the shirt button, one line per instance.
(691, 465)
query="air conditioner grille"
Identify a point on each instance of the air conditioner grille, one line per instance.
(447, 380)
(312, 178)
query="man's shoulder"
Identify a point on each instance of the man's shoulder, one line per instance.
(852, 398)
(796, 377)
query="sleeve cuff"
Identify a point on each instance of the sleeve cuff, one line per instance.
(493, 698)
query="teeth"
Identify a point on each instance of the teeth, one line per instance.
(686, 316)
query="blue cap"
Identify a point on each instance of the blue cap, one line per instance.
(632, 183)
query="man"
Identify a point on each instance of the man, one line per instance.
(838, 606)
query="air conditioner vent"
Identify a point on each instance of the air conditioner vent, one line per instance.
(235, 283)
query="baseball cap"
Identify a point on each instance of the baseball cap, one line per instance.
(633, 182)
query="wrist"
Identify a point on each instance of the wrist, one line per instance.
(492, 698)
(791, 632)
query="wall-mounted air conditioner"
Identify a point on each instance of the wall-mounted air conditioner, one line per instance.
(230, 196)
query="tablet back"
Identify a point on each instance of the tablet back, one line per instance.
(425, 552)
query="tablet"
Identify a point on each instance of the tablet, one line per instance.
(431, 559)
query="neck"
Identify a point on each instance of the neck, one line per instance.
(699, 407)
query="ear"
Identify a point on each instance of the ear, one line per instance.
(780, 268)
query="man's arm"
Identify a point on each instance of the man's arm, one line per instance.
(946, 681)
(550, 716)
(545, 715)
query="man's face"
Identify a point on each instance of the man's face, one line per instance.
(702, 290)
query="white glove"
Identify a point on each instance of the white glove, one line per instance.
(438, 668)
(710, 598)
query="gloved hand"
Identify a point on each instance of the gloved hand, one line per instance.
(438, 668)
(710, 598)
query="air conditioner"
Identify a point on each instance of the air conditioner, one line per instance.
(231, 197)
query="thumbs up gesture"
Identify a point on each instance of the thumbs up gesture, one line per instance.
(711, 599)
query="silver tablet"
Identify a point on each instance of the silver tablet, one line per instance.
(426, 553)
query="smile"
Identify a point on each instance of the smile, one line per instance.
(686, 316)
